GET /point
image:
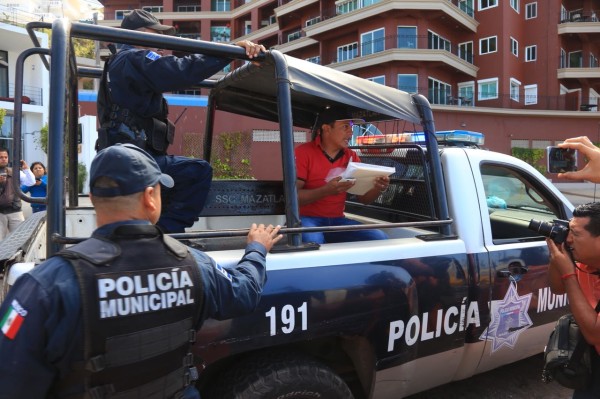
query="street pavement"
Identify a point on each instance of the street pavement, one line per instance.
(580, 193)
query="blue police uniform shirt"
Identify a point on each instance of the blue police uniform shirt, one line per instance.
(50, 335)
(138, 77)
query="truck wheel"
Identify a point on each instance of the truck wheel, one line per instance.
(280, 376)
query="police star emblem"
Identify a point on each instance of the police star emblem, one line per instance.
(509, 318)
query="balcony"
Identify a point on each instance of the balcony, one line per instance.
(31, 95)
(351, 12)
(410, 50)
(586, 26)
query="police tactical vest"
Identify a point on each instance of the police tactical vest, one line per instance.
(141, 297)
(9, 200)
(121, 125)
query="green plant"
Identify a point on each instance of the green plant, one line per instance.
(42, 143)
(229, 162)
(2, 115)
(42, 139)
(530, 155)
(81, 176)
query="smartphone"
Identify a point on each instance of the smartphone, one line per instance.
(561, 160)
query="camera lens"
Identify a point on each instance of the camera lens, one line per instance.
(557, 230)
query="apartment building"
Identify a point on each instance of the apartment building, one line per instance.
(525, 73)
(35, 94)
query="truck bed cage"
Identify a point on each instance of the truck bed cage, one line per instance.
(273, 87)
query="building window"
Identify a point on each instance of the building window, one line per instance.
(593, 61)
(530, 94)
(189, 8)
(347, 52)
(530, 53)
(152, 9)
(563, 58)
(485, 4)
(120, 14)
(439, 92)
(313, 21)
(466, 6)
(530, 10)
(274, 136)
(515, 86)
(514, 4)
(465, 93)
(347, 6)
(436, 42)
(514, 47)
(314, 60)
(6, 133)
(575, 59)
(378, 79)
(294, 35)
(220, 34)
(488, 89)
(372, 42)
(407, 37)
(488, 45)
(3, 73)
(408, 82)
(465, 51)
(220, 5)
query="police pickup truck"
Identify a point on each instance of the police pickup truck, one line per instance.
(459, 288)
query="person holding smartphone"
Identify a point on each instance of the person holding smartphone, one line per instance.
(591, 170)
(39, 188)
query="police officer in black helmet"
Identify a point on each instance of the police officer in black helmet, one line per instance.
(114, 316)
(132, 109)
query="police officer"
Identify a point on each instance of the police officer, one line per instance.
(114, 316)
(132, 109)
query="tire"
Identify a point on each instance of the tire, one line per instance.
(280, 376)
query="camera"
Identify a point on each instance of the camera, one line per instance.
(557, 230)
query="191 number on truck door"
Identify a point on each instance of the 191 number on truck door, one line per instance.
(286, 318)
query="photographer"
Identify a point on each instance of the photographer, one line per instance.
(11, 214)
(574, 269)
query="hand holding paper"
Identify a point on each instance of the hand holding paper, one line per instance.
(364, 174)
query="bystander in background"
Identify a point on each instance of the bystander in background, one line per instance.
(39, 188)
(11, 215)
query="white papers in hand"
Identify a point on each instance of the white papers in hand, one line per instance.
(365, 175)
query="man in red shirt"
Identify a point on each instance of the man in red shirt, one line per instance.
(322, 202)
(580, 281)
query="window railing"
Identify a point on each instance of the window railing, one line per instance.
(565, 61)
(580, 16)
(31, 94)
(409, 42)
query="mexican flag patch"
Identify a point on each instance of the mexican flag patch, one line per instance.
(12, 320)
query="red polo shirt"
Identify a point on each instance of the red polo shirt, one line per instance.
(312, 167)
